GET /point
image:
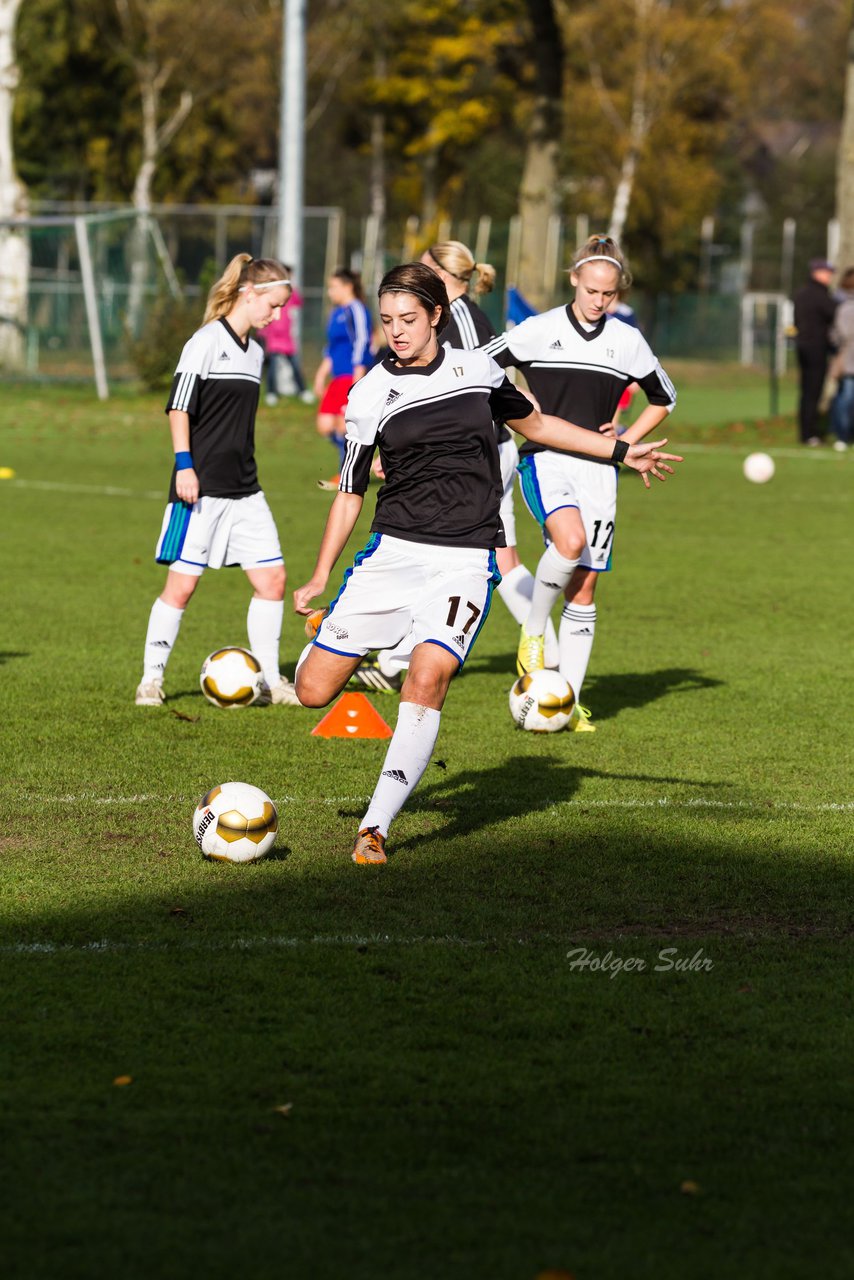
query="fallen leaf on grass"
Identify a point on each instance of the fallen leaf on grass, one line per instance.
(689, 1188)
(123, 1080)
(180, 715)
(284, 1109)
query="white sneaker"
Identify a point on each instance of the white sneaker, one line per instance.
(840, 446)
(150, 694)
(283, 694)
(271, 399)
(308, 397)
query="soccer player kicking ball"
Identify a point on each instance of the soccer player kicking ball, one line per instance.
(429, 565)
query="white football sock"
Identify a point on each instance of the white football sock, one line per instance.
(577, 628)
(264, 628)
(553, 573)
(516, 589)
(301, 659)
(407, 757)
(392, 661)
(164, 622)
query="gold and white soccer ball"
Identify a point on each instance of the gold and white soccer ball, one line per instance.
(541, 701)
(235, 822)
(231, 677)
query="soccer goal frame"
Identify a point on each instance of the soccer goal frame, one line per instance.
(758, 310)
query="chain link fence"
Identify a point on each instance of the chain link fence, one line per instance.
(96, 273)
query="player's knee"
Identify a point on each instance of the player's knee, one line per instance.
(426, 687)
(570, 547)
(311, 692)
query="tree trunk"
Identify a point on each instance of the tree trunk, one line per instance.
(538, 194)
(845, 164)
(14, 244)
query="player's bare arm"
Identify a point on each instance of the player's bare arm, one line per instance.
(555, 433)
(186, 480)
(340, 523)
(649, 420)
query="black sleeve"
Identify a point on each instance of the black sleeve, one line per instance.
(507, 403)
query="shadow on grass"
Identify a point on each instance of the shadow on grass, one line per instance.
(9, 654)
(613, 693)
(511, 791)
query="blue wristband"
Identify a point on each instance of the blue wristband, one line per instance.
(183, 461)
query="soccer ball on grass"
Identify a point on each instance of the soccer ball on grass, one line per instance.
(231, 677)
(758, 467)
(235, 822)
(541, 701)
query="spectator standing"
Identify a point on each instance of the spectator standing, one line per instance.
(280, 344)
(815, 308)
(842, 408)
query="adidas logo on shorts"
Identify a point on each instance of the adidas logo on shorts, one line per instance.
(396, 774)
(460, 641)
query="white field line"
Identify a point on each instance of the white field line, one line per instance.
(108, 946)
(100, 490)
(655, 802)
(112, 491)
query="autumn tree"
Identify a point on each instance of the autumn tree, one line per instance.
(845, 162)
(14, 255)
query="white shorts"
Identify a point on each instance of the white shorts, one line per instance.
(508, 456)
(554, 480)
(440, 595)
(219, 531)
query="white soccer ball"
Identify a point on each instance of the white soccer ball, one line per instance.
(231, 677)
(235, 822)
(541, 701)
(758, 467)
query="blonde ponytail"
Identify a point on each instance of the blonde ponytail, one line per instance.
(242, 270)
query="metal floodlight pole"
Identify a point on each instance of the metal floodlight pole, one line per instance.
(289, 244)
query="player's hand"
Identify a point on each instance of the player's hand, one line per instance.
(303, 596)
(377, 468)
(187, 485)
(609, 429)
(648, 460)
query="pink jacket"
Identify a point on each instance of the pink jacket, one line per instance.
(276, 336)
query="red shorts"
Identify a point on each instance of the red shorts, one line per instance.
(627, 396)
(335, 396)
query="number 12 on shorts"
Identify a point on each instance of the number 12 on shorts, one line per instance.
(609, 533)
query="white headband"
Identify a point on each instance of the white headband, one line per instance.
(268, 284)
(598, 257)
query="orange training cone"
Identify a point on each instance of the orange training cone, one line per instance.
(352, 717)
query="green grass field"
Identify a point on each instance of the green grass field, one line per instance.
(408, 1073)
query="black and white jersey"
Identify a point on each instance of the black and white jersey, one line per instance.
(217, 383)
(469, 327)
(578, 372)
(434, 428)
